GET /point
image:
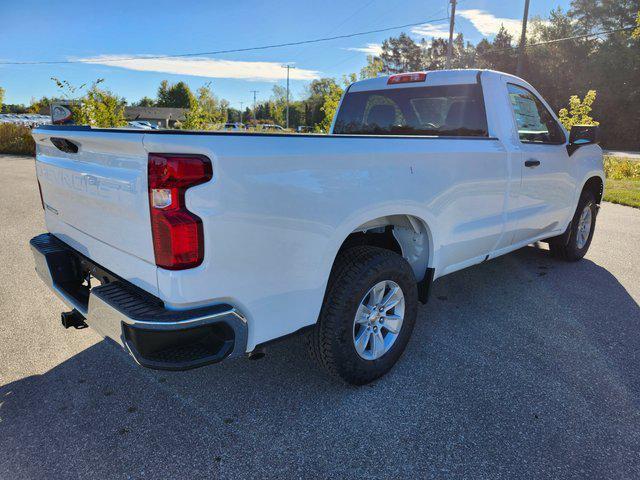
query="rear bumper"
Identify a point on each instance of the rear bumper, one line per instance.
(155, 336)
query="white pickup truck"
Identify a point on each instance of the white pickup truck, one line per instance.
(187, 248)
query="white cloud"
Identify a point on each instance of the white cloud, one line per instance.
(488, 24)
(369, 49)
(430, 30)
(205, 67)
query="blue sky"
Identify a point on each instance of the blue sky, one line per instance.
(85, 29)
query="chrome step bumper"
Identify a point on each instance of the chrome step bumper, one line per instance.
(155, 336)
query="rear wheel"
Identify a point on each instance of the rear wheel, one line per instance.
(581, 230)
(368, 315)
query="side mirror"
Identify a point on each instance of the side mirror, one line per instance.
(581, 135)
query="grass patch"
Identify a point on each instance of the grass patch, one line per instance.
(622, 181)
(624, 192)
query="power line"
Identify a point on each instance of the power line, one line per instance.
(557, 40)
(302, 42)
(335, 28)
(219, 52)
(437, 12)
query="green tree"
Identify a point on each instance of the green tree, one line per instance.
(401, 54)
(329, 107)
(435, 54)
(279, 104)
(499, 54)
(213, 107)
(40, 105)
(177, 95)
(594, 15)
(14, 108)
(578, 111)
(557, 69)
(206, 111)
(1, 97)
(318, 91)
(636, 31)
(145, 102)
(373, 67)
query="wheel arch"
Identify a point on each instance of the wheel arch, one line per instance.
(408, 235)
(595, 184)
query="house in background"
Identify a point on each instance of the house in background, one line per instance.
(163, 117)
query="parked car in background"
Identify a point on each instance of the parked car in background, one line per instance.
(233, 241)
(269, 126)
(27, 119)
(142, 124)
(234, 127)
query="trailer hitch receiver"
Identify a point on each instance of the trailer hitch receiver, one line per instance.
(73, 319)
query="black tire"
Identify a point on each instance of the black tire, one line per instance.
(355, 272)
(570, 251)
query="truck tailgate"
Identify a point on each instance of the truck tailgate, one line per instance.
(96, 199)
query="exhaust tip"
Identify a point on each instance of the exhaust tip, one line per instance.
(73, 319)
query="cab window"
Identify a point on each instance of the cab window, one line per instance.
(535, 123)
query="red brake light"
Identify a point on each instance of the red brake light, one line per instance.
(407, 78)
(178, 241)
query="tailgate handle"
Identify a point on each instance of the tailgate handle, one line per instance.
(64, 145)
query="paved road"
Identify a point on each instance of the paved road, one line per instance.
(628, 155)
(519, 368)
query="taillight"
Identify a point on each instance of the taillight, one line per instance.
(407, 78)
(178, 241)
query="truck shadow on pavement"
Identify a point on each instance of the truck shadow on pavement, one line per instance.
(520, 367)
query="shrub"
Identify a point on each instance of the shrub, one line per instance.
(16, 139)
(578, 111)
(100, 108)
(618, 168)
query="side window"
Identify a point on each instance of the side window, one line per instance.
(535, 123)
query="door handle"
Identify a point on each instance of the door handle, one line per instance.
(532, 163)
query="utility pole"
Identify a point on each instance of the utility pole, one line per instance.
(287, 67)
(452, 22)
(523, 39)
(254, 102)
(241, 104)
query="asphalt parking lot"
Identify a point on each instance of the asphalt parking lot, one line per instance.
(523, 367)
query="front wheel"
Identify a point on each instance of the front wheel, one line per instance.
(368, 315)
(581, 230)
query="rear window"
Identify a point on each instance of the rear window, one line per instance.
(449, 110)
